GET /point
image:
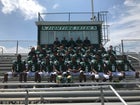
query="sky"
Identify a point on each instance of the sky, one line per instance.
(17, 17)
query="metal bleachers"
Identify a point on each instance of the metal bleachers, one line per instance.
(97, 93)
(72, 93)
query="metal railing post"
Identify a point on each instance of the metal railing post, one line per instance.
(122, 46)
(39, 17)
(92, 9)
(26, 98)
(17, 47)
(102, 96)
(1, 50)
(69, 16)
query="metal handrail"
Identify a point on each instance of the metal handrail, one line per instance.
(100, 16)
(116, 93)
(134, 57)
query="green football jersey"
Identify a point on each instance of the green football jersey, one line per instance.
(18, 66)
(111, 66)
(47, 67)
(98, 65)
(33, 66)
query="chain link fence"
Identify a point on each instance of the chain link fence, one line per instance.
(131, 45)
(16, 46)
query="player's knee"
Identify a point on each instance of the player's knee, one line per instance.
(137, 74)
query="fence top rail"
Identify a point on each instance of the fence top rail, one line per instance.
(18, 40)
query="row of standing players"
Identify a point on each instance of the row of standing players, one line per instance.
(62, 63)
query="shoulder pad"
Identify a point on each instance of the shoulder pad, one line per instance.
(106, 61)
(119, 61)
(29, 62)
(40, 55)
(78, 61)
(81, 63)
(55, 62)
(105, 55)
(39, 62)
(93, 61)
(43, 62)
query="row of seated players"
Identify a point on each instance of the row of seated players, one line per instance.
(71, 42)
(63, 63)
